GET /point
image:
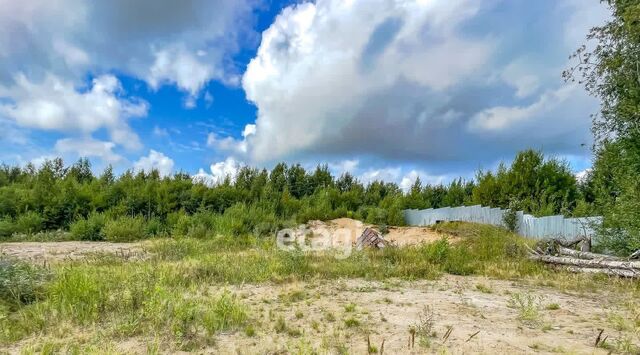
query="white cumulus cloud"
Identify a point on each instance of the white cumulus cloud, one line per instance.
(408, 81)
(88, 148)
(219, 171)
(55, 104)
(155, 161)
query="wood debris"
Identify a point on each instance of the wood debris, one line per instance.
(558, 252)
(370, 238)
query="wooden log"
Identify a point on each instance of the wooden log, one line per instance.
(570, 243)
(610, 272)
(635, 255)
(602, 264)
(586, 255)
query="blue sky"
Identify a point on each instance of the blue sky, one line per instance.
(385, 89)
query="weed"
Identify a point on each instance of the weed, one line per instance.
(527, 305)
(299, 314)
(351, 307)
(329, 317)
(21, 283)
(351, 322)
(294, 332)
(483, 288)
(424, 326)
(281, 325)
(294, 296)
(552, 307)
(618, 322)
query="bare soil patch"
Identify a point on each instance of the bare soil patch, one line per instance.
(329, 317)
(63, 251)
(348, 230)
(320, 317)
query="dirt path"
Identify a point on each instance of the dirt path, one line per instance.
(61, 251)
(483, 315)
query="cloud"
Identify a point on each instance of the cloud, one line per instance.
(88, 148)
(184, 43)
(185, 69)
(11, 133)
(501, 118)
(155, 161)
(344, 166)
(582, 175)
(55, 104)
(160, 132)
(249, 130)
(414, 81)
(219, 172)
(232, 145)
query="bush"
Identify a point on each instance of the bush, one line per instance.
(154, 227)
(179, 223)
(89, 228)
(20, 283)
(29, 223)
(7, 227)
(510, 217)
(240, 219)
(125, 229)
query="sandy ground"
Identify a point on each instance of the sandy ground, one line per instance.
(337, 233)
(345, 230)
(480, 321)
(49, 252)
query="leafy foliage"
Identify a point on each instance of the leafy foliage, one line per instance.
(20, 282)
(609, 68)
(140, 205)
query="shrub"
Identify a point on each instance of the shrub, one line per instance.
(154, 227)
(510, 217)
(240, 219)
(20, 283)
(125, 229)
(7, 227)
(28, 223)
(437, 252)
(89, 228)
(179, 223)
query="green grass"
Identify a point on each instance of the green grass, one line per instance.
(173, 294)
(528, 307)
(351, 322)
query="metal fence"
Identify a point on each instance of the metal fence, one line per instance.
(526, 224)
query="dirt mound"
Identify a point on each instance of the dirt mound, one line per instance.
(348, 230)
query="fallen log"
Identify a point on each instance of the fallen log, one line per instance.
(571, 242)
(601, 264)
(553, 245)
(635, 255)
(587, 255)
(610, 272)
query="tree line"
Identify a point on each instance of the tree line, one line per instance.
(141, 204)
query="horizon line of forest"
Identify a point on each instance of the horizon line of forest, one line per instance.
(137, 205)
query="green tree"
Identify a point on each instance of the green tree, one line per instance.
(609, 69)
